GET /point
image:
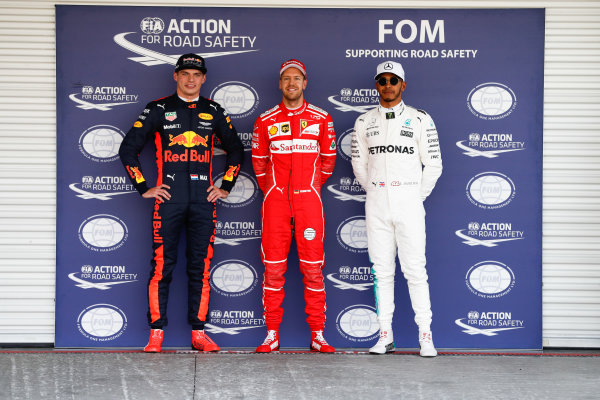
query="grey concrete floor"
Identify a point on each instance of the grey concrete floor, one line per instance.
(191, 375)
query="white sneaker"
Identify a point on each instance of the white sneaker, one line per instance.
(385, 344)
(426, 344)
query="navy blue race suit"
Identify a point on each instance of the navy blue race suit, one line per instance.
(183, 135)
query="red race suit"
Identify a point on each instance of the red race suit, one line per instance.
(293, 154)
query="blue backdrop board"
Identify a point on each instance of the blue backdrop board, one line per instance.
(479, 73)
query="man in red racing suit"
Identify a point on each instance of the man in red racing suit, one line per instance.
(293, 153)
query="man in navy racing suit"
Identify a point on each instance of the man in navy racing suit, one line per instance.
(182, 127)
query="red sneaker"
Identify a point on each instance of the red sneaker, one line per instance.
(270, 344)
(155, 341)
(318, 343)
(201, 342)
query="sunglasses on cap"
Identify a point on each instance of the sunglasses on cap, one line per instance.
(383, 81)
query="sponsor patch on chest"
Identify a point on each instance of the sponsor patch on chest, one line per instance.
(309, 128)
(279, 129)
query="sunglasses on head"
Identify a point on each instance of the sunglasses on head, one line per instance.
(383, 81)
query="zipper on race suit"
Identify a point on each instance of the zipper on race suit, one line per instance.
(290, 198)
(290, 183)
(189, 162)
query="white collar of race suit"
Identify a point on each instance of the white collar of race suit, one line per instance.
(397, 109)
(295, 111)
(188, 101)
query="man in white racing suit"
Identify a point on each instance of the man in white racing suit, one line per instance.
(396, 158)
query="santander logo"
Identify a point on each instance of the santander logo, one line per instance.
(297, 146)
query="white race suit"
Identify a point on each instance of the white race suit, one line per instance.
(396, 158)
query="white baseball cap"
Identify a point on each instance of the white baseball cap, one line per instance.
(392, 67)
(293, 63)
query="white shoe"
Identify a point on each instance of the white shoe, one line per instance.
(385, 344)
(426, 344)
